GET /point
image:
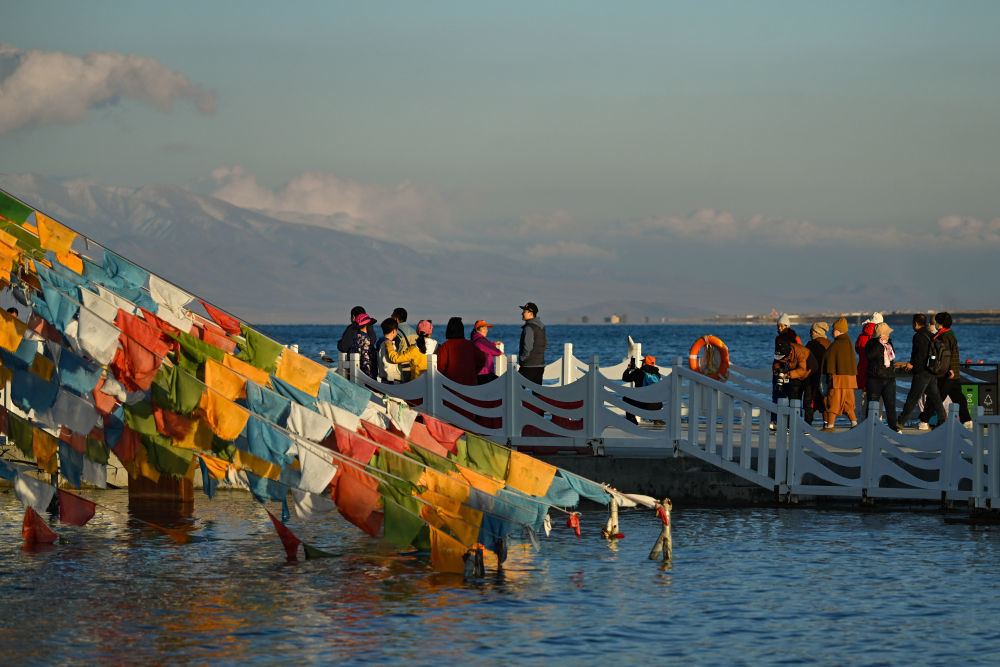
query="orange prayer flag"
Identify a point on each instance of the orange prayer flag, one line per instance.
(44, 445)
(440, 503)
(227, 418)
(199, 437)
(54, 236)
(300, 372)
(446, 552)
(42, 366)
(478, 480)
(465, 525)
(357, 498)
(529, 475)
(419, 435)
(71, 261)
(443, 432)
(223, 380)
(140, 466)
(445, 485)
(11, 331)
(34, 530)
(246, 370)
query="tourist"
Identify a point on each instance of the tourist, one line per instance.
(923, 380)
(491, 350)
(880, 381)
(867, 331)
(458, 358)
(425, 343)
(785, 332)
(817, 346)
(950, 383)
(841, 369)
(642, 376)
(363, 344)
(390, 371)
(534, 342)
(790, 368)
(415, 356)
(405, 328)
(347, 340)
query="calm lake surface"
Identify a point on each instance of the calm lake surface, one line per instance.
(747, 585)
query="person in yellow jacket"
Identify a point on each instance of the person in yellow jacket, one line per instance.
(412, 355)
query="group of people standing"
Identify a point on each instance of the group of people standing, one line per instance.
(400, 353)
(825, 374)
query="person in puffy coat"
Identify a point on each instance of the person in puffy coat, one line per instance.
(841, 368)
(458, 358)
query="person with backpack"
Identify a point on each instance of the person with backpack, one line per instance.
(642, 376)
(924, 356)
(949, 380)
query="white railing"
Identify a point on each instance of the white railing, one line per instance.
(726, 424)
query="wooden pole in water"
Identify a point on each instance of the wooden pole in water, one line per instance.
(664, 545)
(611, 527)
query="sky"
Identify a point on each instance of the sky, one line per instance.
(850, 146)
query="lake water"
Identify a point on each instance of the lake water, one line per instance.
(746, 586)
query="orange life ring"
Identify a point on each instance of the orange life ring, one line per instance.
(709, 356)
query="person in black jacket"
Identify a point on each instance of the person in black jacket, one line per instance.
(880, 378)
(923, 379)
(642, 376)
(950, 383)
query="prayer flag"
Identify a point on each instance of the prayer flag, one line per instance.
(33, 493)
(227, 419)
(357, 497)
(11, 331)
(228, 323)
(54, 236)
(529, 475)
(258, 350)
(75, 510)
(246, 370)
(225, 381)
(34, 530)
(300, 372)
(446, 552)
(287, 537)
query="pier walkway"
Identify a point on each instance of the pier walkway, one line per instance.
(580, 410)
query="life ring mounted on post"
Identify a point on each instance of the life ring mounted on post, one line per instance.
(709, 356)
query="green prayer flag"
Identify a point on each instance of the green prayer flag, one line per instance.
(166, 458)
(194, 352)
(487, 457)
(401, 526)
(14, 210)
(432, 460)
(313, 552)
(21, 432)
(258, 350)
(176, 390)
(97, 451)
(25, 239)
(223, 449)
(139, 418)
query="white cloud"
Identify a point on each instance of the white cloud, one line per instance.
(49, 87)
(962, 229)
(568, 249)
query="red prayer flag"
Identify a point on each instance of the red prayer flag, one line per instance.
(419, 435)
(357, 497)
(74, 509)
(444, 433)
(35, 530)
(141, 353)
(158, 322)
(127, 443)
(385, 438)
(229, 324)
(354, 445)
(288, 539)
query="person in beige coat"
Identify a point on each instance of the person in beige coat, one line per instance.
(841, 369)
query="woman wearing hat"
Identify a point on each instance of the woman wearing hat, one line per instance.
(363, 344)
(490, 350)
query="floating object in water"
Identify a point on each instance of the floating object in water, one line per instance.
(664, 544)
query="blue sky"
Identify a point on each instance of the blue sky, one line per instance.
(567, 130)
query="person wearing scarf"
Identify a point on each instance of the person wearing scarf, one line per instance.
(880, 378)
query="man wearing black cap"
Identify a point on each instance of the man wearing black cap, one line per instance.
(531, 352)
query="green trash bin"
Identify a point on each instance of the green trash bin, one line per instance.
(981, 393)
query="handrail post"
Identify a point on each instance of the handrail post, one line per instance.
(794, 431)
(566, 374)
(431, 395)
(342, 366)
(590, 403)
(675, 404)
(780, 442)
(355, 368)
(868, 451)
(510, 401)
(978, 459)
(948, 484)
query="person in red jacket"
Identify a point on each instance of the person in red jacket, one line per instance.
(458, 359)
(867, 331)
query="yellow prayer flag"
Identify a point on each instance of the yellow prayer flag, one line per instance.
(227, 418)
(28, 227)
(246, 370)
(300, 372)
(440, 502)
(529, 475)
(256, 465)
(465, 525)
(42, 367)
(485, 483)
(8, 238)
(217, 467)
(140, 466)
(226, 382)
(8, 251)
(71, 261)
(445, 485)
(11, 331)
(44, 445)
(198, 437)
(52, 235)
(446, 552)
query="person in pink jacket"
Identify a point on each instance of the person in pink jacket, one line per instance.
(490, 350)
